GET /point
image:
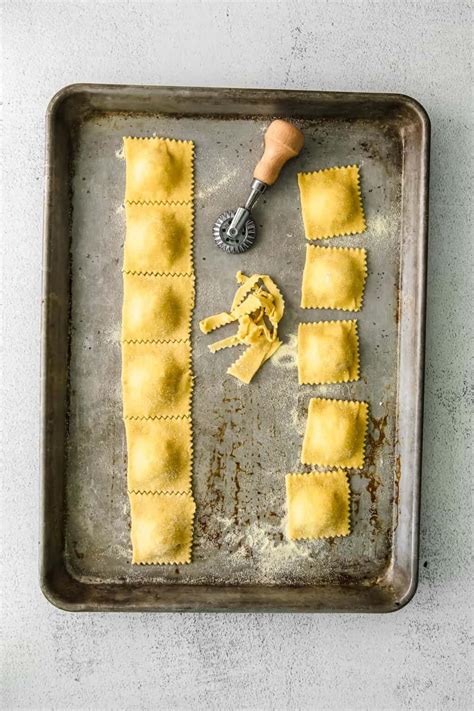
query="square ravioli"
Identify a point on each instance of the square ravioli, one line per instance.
(331, 202)
(162, 528)
(334, 278)
(318, 505)
(159, 455)
(158, 170)
(328, 352)
(335, 433)
(156, 379)
(158, 238)
(157, 307)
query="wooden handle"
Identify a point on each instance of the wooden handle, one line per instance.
(282, 142)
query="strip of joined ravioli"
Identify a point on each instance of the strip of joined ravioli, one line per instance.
(156, 347)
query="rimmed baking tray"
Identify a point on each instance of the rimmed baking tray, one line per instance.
(245, 437)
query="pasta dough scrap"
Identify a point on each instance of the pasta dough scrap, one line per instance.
(331, 202)
(334, 278)
(328, 352)
(158, 170)
(258, 306)
(251, 304)
(159, 455)
(224, 343)
(335, 433)
(318, 505)
(252, 359)
(162, 528)
(157, 308)
(158, 238)
(156, 379)
(249, 284)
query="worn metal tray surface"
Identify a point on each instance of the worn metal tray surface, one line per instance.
(246, 438)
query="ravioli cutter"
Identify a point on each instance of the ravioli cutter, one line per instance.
(234, 231)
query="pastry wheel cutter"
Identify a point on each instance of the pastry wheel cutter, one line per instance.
(234, 231)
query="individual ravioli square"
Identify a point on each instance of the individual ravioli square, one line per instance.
(162, 527)
(334, 278)
(328, 352)
(157, 307)
(331, 202)
(318, 505)
(158, 238)
(158, 170)
(159, 454)
(335, 433)
(156, 379)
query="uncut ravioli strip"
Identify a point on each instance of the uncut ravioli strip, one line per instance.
(162, 528)
(331, 202)
(258, 306)
(334, 278)
(318, 505)
(157, 308)
(156, 350)
(335, 433)
(328, 352)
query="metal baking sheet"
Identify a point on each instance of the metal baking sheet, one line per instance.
(246, 438)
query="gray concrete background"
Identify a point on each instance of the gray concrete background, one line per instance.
(414, 659)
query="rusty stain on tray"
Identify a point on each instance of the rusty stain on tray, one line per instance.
(376, 437)
(396, 495)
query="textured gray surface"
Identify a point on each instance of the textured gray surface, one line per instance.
(417, 658)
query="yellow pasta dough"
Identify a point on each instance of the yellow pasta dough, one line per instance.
(250, 305)
(156, 349)
(334, 278)
(318, 505)
(335, 433)
(328, 352)
(331, 202)
(158, 238)
(159, 455)
(162, 527)
(252, 359)
(156, 379)
(258, 306)
(158, 170)
(157, 308)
